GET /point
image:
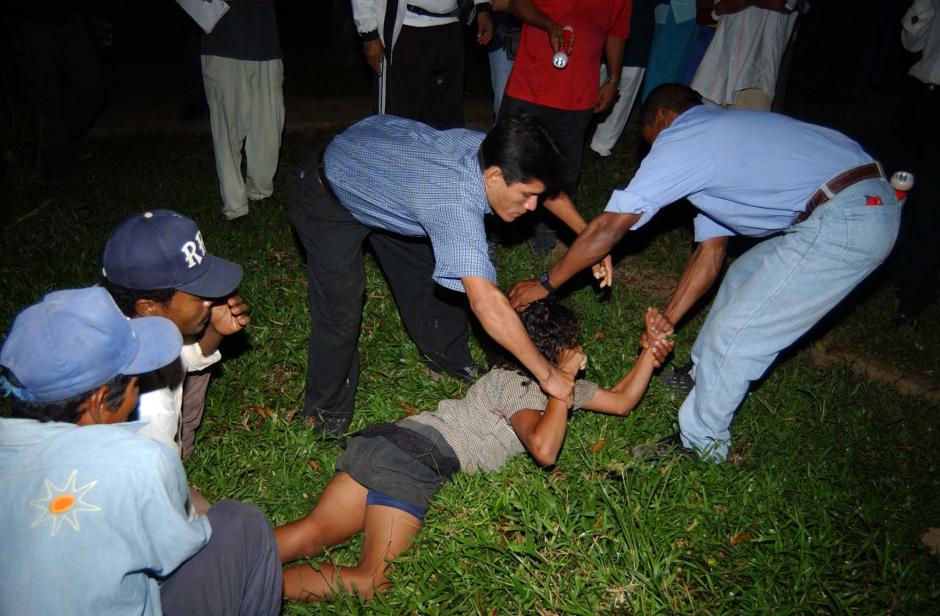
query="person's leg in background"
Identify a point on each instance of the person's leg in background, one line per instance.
(266, 123)
(226, 82)
(568, 129)
(443, 102)
(500, 67)
(608, 132)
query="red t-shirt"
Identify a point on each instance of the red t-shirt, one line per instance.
(574, 87)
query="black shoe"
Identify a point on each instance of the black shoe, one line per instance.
(467, 374)
(541, 247)
(679, 379)
(669, 447)
(330, 425)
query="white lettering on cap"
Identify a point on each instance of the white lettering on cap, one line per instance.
(193, 252)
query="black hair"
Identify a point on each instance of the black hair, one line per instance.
(525, 150)
(672, 96)
(551, 326)
(68, 410)
(126, 298)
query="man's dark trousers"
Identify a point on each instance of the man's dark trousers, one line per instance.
(425, 79)
(568, 128)
(333, 241)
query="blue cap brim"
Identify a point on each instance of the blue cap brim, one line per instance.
(160, 343)
(220, 279)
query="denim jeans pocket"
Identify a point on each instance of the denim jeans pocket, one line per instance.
(870, 233)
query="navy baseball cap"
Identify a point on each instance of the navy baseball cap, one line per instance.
(161, 249)
(76, 340)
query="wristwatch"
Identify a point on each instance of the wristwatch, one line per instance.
(543, 280)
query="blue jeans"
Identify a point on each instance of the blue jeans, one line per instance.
(500, 67)
(775, 293)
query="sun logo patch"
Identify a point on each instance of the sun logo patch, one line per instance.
(61, 505)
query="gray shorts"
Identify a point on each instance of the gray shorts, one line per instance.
(382, 466)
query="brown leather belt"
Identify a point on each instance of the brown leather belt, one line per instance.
(835, 185)
(321, 173)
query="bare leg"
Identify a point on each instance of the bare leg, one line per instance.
(388, 532)
(338, 515)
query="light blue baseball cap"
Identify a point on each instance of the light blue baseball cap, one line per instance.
(76, 340)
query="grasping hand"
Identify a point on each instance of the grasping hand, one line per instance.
(559, 384)
(524, 293)
(660, 349)
(572, 361)
(556, 38)
(653, 338)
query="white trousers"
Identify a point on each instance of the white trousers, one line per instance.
(246, 108)
(609, 131)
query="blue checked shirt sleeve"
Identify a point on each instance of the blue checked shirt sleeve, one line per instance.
(459, 242)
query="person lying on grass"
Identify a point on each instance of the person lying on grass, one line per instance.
(390, 472)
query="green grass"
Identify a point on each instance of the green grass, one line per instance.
(832, 482)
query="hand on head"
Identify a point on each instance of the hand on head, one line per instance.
(572, 361)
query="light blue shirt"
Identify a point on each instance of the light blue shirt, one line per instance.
(748, 172)
(91, 517)
(408, 178)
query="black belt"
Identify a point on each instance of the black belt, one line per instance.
(837, 184)
(442, 461)
(417, 10)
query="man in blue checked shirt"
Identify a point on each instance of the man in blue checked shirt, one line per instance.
(420, 195)
(823, 204)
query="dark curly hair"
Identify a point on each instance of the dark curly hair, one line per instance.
(551, 327)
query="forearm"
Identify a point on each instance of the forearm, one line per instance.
(697, 278)
(629, 391)
(502, 323)
(591, 245)
(562, 208)
(613, 52)
(549, 433)
(210, 340)
(528, 13)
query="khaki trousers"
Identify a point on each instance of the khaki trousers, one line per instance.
(246, 108)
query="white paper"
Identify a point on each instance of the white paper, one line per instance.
(205, 13)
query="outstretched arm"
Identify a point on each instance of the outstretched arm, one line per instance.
(503, 325)
(543, 433)
(699, 275)
(563, 208)
(627, 393)
(596, 241)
